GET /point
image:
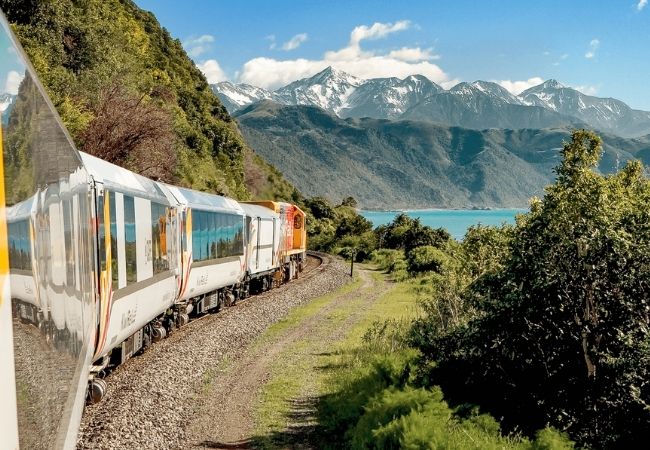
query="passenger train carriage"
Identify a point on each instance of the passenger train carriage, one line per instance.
(97, 262)
(212, 249)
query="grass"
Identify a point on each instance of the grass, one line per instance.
(303, 370)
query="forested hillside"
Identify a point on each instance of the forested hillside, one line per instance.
(127, 92)
(413, 164)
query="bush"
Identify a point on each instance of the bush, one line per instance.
(561, 334)
(426, 259)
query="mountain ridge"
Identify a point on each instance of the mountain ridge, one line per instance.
(478, 104)
(413, 164)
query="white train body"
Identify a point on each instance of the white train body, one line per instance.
(263, 237)
(137, 277)
(211, 247)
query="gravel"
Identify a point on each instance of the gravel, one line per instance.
(151, 398)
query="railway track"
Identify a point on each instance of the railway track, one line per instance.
(151, 398)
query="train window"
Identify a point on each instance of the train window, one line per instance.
(129, 240)
(196, 243)
(297, 222)
(19, 245)
(214, 235)
(159, 238)
(101, 234)
(111, 208)
(69, 245)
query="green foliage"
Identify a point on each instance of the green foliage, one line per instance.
(426, 259)
(407, 233)
(80, 48)
(559, 332)
(339, 229)
(377, 406)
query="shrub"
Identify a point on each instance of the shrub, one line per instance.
(562, 331)
(425, 259)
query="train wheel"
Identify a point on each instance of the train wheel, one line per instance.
(158, 333)
(97, 390)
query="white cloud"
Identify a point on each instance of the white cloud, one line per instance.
(585, 89)
(593, 46)
(564, 56)
(642, 4)
(196, 46)
(413, 54)
(212, 71)
(517, 87)
(12, 83)
(294, 42)
(271, 73)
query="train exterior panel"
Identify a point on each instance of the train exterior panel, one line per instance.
(212, 248)
(263, 237)
(137, 282)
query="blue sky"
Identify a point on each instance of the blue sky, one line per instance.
(600, 47)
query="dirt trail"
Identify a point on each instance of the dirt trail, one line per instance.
(226, 412)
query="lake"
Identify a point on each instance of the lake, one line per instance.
(456, 221)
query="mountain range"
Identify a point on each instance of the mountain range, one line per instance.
(388, 164)
(477, 105)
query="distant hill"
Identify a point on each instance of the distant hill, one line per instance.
(477, 105)
(409, 164)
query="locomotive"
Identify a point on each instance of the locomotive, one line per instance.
(97, 262)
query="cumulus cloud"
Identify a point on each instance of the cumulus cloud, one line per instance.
(593, 46)
(413, 54)
(12, 83)
(272, 73)
(294, 42)
(585, 89)
(642, 4)
(196, 46)
(517, 87)
(212, 71)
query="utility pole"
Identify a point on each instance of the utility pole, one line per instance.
(354, 254)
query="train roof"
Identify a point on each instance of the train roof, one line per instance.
(278, 207)
(122, 180)
(205, 201)
(20, 210)
(252, 210)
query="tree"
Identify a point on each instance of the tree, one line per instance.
(563, 331)
(349, 201)
(134, 132)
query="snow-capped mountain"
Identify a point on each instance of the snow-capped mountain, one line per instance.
(328, 89)
(388, 97)
(606, 114)
(479, 105)
(236, 96)
(6, 104)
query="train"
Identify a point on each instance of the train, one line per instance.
(98, 262)
(162, 254)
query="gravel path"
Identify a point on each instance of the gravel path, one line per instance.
(226, 411)
(151, 400)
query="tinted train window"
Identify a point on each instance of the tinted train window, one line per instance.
(101, 233)
(111, 207)
(129, 240)
(69, 245)
(159, 238)
(216, 235)
(19, 245)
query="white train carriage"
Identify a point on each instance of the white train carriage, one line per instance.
(212, 250)
(137, 276)
(263, 237)
(20, 232)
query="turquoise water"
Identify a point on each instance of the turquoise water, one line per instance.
(456, 221)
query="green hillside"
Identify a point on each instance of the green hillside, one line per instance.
(410, 164)
(127, 92)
